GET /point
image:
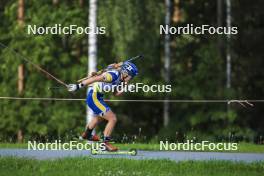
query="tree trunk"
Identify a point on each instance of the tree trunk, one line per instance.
(81, 3)
(167, 62)
(20, 12)
(176, 17)
(20, 91)
(92, 45)
(20, 79)
(20, 84)
(228, 47)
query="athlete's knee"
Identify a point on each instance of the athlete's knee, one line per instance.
(113, 118)
(110, 117)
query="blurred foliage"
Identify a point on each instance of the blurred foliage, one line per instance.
(132, 28)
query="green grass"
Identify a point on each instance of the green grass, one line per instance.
(88, 166)
(13, 145)
(242, 147)
(249, 147)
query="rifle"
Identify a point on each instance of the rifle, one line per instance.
(112, 66)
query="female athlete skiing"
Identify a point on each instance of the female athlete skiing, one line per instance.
(95, 101)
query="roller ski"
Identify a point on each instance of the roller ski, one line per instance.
(110, 149)
(132, 152)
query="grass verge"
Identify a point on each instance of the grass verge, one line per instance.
(121, 167)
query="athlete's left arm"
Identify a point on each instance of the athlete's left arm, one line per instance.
(126, 81)
(118, 93)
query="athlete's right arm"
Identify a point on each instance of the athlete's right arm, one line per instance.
(93, 79)
(105, 77)
(74, 87)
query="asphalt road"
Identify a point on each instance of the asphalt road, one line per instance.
(176, 156)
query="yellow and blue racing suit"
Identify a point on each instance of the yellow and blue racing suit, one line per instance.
(95, 93)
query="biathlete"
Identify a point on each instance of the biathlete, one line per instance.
(101, 111)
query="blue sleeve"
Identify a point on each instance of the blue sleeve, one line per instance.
(114, 76)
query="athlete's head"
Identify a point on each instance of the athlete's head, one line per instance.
(129, 69)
